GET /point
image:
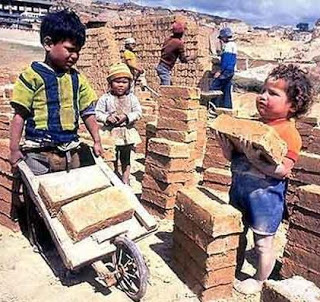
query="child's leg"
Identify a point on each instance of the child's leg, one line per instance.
(266, 261)
(241, 250)
(125, 163)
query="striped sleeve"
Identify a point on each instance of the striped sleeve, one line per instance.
(87, 96)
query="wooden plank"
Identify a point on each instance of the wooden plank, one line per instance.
(58, 189)
(140, 212)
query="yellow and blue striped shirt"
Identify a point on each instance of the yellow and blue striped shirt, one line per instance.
(55, 101)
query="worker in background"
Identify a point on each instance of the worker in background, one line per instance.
(172, 49)
(222, 78)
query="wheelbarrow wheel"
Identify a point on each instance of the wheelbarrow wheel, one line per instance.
(131, 270)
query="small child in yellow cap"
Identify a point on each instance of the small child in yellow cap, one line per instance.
(118, 109)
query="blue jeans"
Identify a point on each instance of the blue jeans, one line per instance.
(164, 74)
(223, 84)
(261, 200)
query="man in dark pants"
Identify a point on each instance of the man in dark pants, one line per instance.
(222, 78)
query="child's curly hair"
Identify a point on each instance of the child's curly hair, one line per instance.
(299, 89)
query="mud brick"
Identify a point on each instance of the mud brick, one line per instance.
(149, 182)
(180, 92)
(305, 131)
(8, 181)
(172, 124)
(308, 162)
(155, 210)
(260, 135)
(178, 103)
(209, 244)
(306, 177)
(306, 219)
(178, 114)
(168, 176)
(203, 260)
(220, 176)
(170, 164)
(4, 148)
(206, 279)
(96, 211)
(309, 198)
(301, 237)
(147, 110)
(5, 166)
(63, 187)
(314, 141)
(11, 197)
(177, 136)
(158, 198)
(290, 290)
(205, 295)
(214, 217)
(290, 268)
(214, 158)
(8, 209)
(9, 223)
(302, 257)
(168, 148)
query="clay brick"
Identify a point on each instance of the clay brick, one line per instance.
(178, 114)
(9, 223)
(209, 244)
(302, 257)
(94, 212)
(158, 198)
(180, 92)
(290, 268)
(168, 176)
(306, 178)
(220, 176)
(314, 141)
(172, 124)
(261, 135)
(301, 237)
(206, 279)
(309, 198)
(149, 182)
(295, 289)
(214, 217)
(170, 164)
(158, 211)
(5, 166)
(214, 158)
(177, 136)
(308, 162)
(168, 148)
(63, 187)
(203, 260)
(178, 103)
(4, 148)
(8, 209)
(306, 219)
(9, 182)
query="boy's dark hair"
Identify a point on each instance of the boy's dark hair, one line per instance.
(299, 89)
(63, 25)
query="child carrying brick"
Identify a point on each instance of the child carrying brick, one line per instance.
(118, 109)
(258, 188)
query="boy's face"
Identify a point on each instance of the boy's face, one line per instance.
(273, 103)
(62, 55)
(120, 86)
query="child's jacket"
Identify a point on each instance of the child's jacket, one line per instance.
(124, 134)
(54, 101)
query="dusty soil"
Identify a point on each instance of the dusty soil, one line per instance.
(25, 276)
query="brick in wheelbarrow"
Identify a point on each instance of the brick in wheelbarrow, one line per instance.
(58, 189)
(213, 216)
(262, 136)
(95, 212)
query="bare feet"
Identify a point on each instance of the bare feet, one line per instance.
(249, 286)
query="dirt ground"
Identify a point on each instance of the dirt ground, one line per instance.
(26, 277)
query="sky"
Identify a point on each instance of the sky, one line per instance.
(254, 12)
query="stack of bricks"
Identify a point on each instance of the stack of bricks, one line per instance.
(149, 114)
(301, 256)
(100, 51)
(205, 241)
(167, 169)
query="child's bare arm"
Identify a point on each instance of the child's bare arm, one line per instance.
(93, 128)
(225, 145)
(16, 129)
(254, 156)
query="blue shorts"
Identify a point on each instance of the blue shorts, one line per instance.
(261, 200)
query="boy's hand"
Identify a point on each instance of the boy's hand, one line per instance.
(121, 119)
(15, 157)
(97, 149)
(112, 119)
(225, 144)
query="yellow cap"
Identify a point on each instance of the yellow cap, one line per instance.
(119, 70)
